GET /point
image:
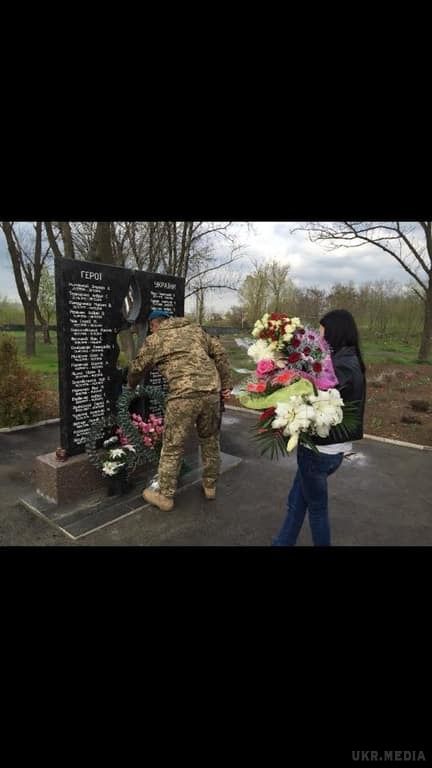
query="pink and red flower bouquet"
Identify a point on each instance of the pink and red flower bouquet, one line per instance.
(294, 384)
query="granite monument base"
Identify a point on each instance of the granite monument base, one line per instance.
(74, 480)
(64, 482)
(82, 517)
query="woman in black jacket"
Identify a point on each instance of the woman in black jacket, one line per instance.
(309, 490)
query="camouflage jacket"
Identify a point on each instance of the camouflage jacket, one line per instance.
(191, 361)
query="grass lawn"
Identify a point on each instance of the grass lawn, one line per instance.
(45, 361)
(390, 351)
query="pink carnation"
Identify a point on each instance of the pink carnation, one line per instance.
(265, 366)
(284, 378)
(259, 387)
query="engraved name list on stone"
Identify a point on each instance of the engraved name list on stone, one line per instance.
(91, 312)
(88, 309)
(162, 296)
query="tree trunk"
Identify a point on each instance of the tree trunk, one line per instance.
(102, 247)
(200, 306)
(30, 330)
(44, 325)
(66, 234)
(426, 339)
(46, 334)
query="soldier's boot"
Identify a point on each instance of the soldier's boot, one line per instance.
(209, 491)
(156, 498)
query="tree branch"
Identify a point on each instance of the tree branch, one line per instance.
(412, 249)
(351, 233)
(210, 287)
(52, 240)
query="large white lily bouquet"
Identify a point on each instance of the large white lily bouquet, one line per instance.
(294, 387)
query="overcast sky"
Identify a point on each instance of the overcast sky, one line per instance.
(311, 264)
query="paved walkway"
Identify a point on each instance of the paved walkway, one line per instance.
(383, 496)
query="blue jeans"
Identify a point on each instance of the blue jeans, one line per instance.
(309, 491)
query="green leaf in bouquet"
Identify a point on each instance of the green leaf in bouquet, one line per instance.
(261, 402)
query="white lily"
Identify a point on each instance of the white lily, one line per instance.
(110, 467)
(115, 453)
(292, 442)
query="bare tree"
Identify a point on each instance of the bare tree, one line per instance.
(201, 252)
(28, 257)
(267, 289)
(189, 249)
(101, 248)
(280, 286)
(63, 230)
(200, 305)
(45, 305)
(82, 234)
(254, 293)
(410, 243)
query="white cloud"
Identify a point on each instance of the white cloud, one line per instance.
(311, 263)
(7, 280)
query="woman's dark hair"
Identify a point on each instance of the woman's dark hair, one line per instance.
(340, 330)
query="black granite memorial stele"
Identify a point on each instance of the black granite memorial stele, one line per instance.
(94, 302)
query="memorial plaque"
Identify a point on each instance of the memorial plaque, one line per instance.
(159, 292)
(94, 302)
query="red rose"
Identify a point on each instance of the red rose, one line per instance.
(307, 351)
(317, 367)
(294, 357)
(267, 414)
(295, 343)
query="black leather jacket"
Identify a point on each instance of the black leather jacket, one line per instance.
(352, 386)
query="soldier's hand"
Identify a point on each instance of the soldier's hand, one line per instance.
(226, 393)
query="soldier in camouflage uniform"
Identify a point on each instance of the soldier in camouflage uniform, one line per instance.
(197, 370)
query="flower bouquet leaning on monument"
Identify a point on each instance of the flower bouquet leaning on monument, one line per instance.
(132, 440)
(294, 386)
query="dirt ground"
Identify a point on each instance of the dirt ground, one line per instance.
(399, 402)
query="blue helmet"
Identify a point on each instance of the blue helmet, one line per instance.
(158, 313)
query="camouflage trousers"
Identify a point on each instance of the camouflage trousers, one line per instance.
(181, 415)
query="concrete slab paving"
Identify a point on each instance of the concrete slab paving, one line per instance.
(381, 497)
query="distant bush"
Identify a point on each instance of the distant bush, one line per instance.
(11, 311)
(21, 390)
